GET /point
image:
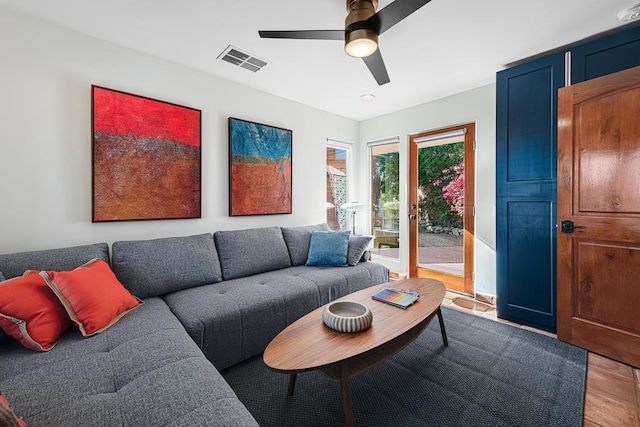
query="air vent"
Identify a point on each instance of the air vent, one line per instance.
(242, 59)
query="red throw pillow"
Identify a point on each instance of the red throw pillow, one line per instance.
(31, 313)
(92, 295)
(7, 416)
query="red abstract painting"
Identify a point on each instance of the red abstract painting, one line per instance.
(146, 158)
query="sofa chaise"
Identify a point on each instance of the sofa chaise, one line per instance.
(210, 301)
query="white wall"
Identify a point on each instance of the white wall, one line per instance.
(475, 106)
(46, 73)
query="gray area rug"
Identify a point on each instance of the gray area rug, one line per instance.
(491, 374)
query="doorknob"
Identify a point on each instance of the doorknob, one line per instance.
(567, 226)
(412, 216)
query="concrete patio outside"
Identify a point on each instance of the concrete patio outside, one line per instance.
(439, 252)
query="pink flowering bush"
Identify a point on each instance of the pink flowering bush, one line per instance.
(453, 192)
(437, 167)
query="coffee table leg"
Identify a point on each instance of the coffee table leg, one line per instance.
(292, 384)
(347, 405)
(442, 330)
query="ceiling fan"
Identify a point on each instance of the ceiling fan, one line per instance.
(362, 28)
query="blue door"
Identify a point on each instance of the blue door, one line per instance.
(605, 56)
(526, 153)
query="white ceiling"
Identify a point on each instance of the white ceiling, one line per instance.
(446, 47)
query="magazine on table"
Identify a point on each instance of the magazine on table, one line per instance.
(402, 298)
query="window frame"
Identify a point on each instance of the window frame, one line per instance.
(370, 148)
(348, 148)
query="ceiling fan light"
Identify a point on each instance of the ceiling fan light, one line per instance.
(361, 43)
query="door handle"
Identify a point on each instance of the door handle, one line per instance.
(412, 216)
(567, 226)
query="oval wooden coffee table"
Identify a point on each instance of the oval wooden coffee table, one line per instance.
(308, 344)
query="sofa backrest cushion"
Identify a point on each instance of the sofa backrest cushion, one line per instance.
(62, 259)
(298, 239)
(156, 267)
(251, 251)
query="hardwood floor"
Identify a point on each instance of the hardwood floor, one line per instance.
(613, 388)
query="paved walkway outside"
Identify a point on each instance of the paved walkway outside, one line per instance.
(432, 249)
(440, 252)
(437, 255)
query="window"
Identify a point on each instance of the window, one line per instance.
(338, 166)
(385, 197)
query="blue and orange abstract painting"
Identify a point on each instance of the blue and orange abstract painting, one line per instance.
(259, 169)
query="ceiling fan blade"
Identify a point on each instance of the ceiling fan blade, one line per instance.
(375, 63)
(393, 13)
(304, 34)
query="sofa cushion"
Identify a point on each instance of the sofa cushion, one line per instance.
(143, 371)
(14, 265)
(328, 248)
(247, 313)
(91, 295)
(159, 266)
(298, 239)
(357, 247)
(251, 251)
(31, 313)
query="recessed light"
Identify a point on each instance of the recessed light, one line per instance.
(630, 14)
(367, 97)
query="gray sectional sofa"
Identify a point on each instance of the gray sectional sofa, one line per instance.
(210, 301)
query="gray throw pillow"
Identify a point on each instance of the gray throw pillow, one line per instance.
(357, 247)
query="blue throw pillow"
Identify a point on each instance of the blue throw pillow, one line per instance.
(328, 248)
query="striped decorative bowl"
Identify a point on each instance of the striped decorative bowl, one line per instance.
(347, 316)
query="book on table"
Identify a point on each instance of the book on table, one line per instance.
(402, 298)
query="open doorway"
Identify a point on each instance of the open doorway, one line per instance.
(441, 206)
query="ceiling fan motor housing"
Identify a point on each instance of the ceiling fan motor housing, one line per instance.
(360, 11)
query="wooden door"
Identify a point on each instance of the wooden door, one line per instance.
(599, 193)
(464, 284)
